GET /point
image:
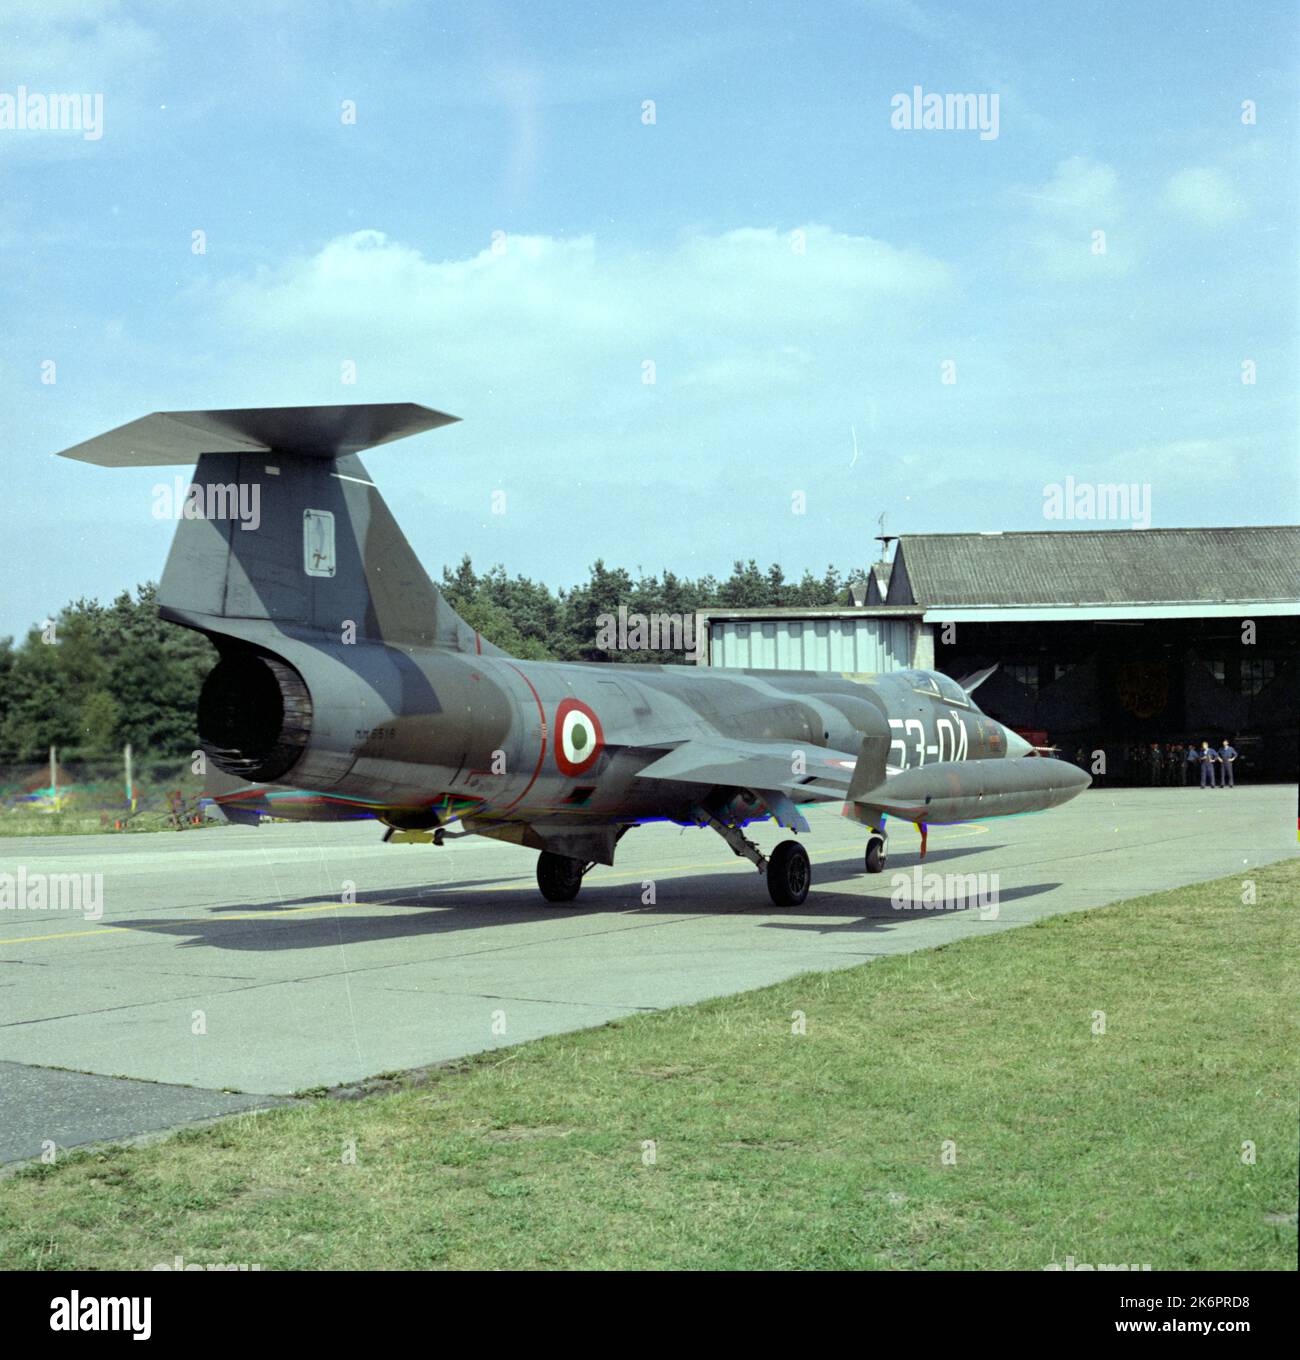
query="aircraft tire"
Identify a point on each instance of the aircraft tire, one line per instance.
(558, 876)
(875, 856)
(789, 874)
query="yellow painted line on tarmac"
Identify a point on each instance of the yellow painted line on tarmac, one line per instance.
(171, 925)
(63, 935)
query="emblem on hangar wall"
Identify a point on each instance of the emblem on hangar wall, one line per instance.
(1143, 687)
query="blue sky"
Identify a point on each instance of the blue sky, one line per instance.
(798, 271)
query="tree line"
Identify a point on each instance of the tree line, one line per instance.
(101, 675)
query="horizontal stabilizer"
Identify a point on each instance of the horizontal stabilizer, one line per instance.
(174, 437)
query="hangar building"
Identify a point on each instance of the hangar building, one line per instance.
(1104, 639)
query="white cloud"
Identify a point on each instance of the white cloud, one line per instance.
(1078, 225)
(1081, 190)
(73, 45)
(569, 306)
(1205, 195)
(763, 357)
(65, 47)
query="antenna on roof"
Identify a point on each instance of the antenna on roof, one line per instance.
(883, 538)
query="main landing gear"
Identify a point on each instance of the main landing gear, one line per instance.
(789, 874)
(559, 877)
(788, 871)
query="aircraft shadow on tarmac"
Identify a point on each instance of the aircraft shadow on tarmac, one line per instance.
(722, 894)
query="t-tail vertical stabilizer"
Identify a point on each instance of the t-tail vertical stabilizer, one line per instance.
(282, 524)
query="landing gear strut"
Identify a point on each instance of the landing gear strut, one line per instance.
(559, 877)
(789, 873)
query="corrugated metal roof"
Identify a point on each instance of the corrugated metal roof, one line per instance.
(878, 583)
(1114, 566)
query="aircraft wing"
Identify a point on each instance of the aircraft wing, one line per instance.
(801, 772)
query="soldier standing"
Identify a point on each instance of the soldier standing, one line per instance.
(1189, 759)
(1227, 758)
(1207, 759)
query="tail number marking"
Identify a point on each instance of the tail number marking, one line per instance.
(909, 749)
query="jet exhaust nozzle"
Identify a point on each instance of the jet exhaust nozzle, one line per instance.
(255, 716)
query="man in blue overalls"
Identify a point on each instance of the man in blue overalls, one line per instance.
(1227, 755)
(1208, 760)
(1189, 762)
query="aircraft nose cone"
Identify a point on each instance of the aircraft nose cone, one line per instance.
(1062, 775)
(1065, 777)
(1078, 779)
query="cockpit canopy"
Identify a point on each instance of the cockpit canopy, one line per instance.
(940, 686)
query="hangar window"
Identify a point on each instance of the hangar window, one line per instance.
(1024, 675)
(1255, 675)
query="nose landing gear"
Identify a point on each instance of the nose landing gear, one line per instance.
(875, 856)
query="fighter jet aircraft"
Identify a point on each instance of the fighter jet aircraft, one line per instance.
(347, 686)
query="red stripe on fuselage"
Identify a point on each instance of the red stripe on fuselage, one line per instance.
(541, 754)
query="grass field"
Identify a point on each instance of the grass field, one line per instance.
(24, 822)
(777, 1149)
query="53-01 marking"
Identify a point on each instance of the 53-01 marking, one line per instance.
(912, 749)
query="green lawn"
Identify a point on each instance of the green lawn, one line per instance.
(24, 822)
(780, 1150)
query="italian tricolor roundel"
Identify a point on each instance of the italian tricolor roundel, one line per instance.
(578, 738)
